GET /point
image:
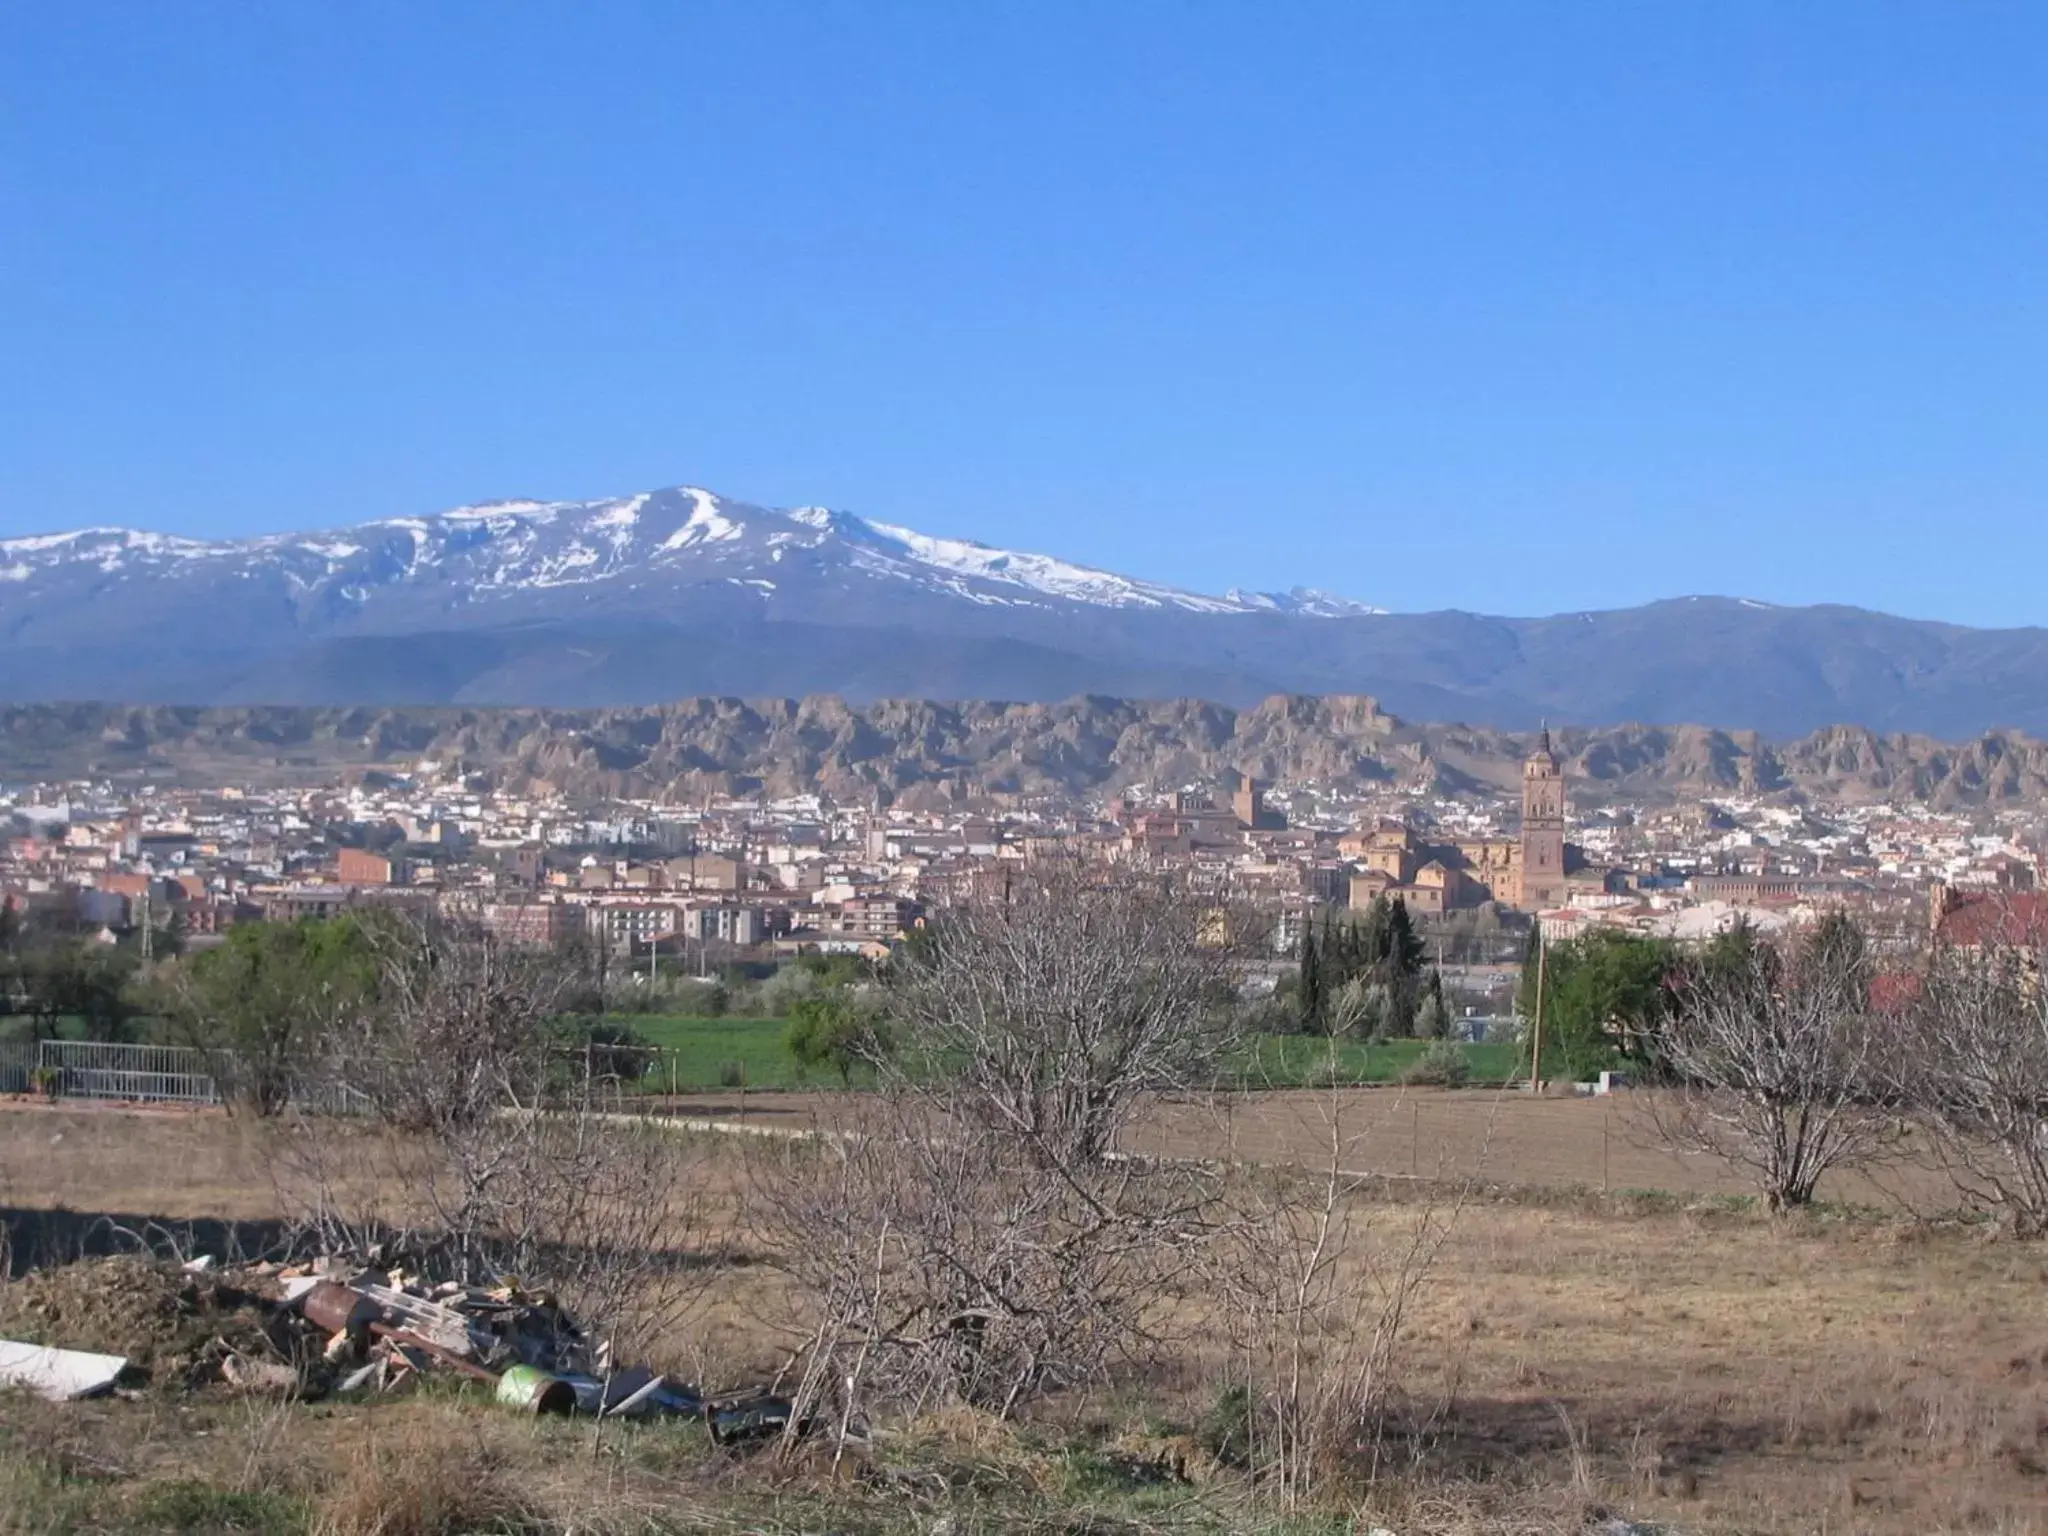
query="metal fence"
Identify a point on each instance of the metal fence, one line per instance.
(88, 1069)
(181, 1074)
(17, 1066)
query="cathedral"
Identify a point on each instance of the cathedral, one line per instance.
(1538, 878)
(1529, 872)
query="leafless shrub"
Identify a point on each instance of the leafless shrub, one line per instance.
(606, 1210)
(1777, 1067)
(475, 1134)
(942, 1264)
(1050, 1012)
(1977, 1068)
(446, 1071)
(461, 1027)
(1314, 1279)
(973, 1238)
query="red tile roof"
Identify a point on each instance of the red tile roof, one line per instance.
(1977, 919)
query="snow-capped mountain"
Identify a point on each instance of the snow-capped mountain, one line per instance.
(623, 549)
(675, 593)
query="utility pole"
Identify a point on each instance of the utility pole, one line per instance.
(1536, 1045)
(147, 935)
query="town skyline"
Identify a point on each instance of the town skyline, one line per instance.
(774, 876)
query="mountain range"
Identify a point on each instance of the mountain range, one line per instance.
(919, 752)
(678, 593)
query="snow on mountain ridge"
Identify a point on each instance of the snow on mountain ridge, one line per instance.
(1309, 602)
(1040, 573)
(98, 542)
(523, 544)
(706, 524)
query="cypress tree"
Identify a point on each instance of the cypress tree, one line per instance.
(1404, 949)
(1308, 996)
(1390, 955)
(1370, 951)
(1432, 1014)
(1839, 951)
(1525, 990)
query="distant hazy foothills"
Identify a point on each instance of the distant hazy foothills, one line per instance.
(917, 750)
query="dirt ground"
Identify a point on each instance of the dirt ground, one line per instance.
(1608, 1143)
(1675, 1360)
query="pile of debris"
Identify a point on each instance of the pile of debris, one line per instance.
(384, 1327)
(167, 1325)
(333, 1327)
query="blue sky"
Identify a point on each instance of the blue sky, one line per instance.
(1516, 307)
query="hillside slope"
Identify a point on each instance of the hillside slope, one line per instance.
(920, 749)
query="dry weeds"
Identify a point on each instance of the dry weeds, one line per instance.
(422, 1485)
(1697, 1365)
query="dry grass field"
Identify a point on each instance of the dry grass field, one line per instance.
(1674, 1358)
(1606, 1144)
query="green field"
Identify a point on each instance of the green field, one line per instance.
(726, 1052)
(719, 1053)
(1296, 1061)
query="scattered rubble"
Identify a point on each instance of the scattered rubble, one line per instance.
(175, 1329)
(334, 1327)
(273, 1377)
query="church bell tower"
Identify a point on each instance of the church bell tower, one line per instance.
(1542, 828)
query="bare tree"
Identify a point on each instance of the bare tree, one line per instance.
(463, 1025)
(1777, 1066)
(606, 1207)
(451, 1066)
(941, 1265)
(968, 1234)
(1052, 1011)
(460, 1052)
(1977, 1068)
(475, 1128)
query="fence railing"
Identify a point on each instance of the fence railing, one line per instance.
(91, 1069)
(88, 1069)
(183, 1074)
(147, 1074)
(17, 1066)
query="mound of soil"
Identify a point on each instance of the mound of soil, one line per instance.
(175, 1328)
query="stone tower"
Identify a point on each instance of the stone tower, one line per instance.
(1542, 828)
(1249, 802)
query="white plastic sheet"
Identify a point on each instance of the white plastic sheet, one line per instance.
(57, 1374)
